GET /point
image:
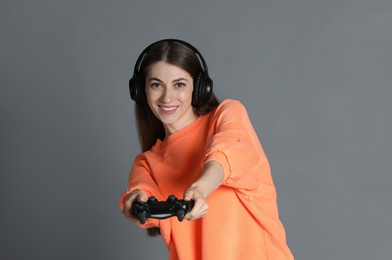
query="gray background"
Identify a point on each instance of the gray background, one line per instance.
(315, 76)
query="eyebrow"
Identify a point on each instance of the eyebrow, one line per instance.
(176, 80)
(180, 79)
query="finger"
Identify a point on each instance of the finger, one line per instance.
(142, 197)
(195, 215)
(127, 208)
(199, 210)
(193, 193)
(136, 195)
(188, 196)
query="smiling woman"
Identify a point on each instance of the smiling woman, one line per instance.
(204, 151)
(184, 56)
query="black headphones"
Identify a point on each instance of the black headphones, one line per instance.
(202, 87)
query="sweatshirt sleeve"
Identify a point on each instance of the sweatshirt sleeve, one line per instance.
(140, 178)
(236, 147)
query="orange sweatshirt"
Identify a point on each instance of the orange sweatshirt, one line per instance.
(242, 221)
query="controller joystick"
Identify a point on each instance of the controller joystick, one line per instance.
(161, 209)
(152, 200)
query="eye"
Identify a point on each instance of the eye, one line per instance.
(180, 85)
(155, 85)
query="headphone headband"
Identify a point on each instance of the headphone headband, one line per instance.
(140, 59)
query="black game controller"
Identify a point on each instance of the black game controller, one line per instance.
(161, 209)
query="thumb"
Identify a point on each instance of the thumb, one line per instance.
(188, 195)
(142, 197)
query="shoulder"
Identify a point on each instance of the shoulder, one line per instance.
(231, 107)
(228, 111)
(227, 103)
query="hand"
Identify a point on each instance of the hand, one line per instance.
(200, 207)
(136, 195)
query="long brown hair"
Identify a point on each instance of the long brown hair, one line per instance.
(149, 127)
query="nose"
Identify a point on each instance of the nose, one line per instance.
(167, 95)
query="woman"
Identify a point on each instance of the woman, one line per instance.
(199, 149)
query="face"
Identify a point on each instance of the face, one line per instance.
(169, 95)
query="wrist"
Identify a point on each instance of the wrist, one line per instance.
(199, 189)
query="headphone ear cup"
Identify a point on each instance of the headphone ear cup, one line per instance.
(134, 89)
(196, 90)
(202, 89)
(208, 85)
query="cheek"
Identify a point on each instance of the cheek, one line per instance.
(150, 98)
(188, 94)
(150, 95)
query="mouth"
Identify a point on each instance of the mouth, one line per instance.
(168, 109)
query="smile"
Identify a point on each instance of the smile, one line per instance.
(168, 109)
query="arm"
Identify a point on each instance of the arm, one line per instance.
(141, 186)
(211, 178)
(234, 157)
(235, 145)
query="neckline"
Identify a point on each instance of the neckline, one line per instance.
(162, 144)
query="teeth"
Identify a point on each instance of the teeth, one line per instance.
(168, 108)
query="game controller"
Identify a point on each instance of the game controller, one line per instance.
(161, 209)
